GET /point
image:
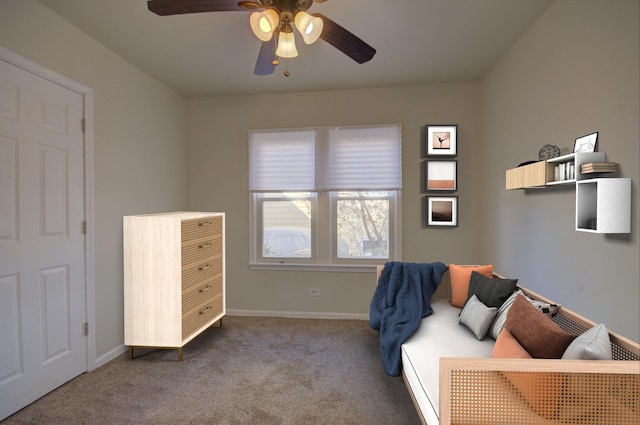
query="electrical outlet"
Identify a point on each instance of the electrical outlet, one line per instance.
(314, 291)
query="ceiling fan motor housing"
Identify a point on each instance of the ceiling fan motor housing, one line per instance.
(291, 6)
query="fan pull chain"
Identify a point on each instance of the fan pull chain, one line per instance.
(275, 62)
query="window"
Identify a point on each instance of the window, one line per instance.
(325, 196)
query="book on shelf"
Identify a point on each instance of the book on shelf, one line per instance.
(565, 171)
(599, 167)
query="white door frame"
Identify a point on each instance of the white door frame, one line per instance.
(87, 96)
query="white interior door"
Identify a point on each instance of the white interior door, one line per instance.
(43, 304)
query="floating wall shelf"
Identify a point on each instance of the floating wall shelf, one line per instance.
(603, 205)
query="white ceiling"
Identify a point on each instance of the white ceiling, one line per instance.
(208, 54)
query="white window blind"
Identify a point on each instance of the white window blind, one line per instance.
(344, 158)
(282, 160)
(362, 158)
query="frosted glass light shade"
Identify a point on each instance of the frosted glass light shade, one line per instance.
(286, 45)
(263, 23)
(310, 26)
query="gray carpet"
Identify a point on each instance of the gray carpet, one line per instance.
(252, 370)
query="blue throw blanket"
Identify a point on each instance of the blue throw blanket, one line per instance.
(400, 301)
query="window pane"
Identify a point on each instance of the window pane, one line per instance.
(363, 227)
(286, 228)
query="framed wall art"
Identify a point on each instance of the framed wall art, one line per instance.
(441, 140)
(441, 211)
(441, 175)
(588, 143)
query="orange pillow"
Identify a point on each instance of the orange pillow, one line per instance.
(507, 347)
(542, 338)
(541, 390)
(459, 276)
(538, 389)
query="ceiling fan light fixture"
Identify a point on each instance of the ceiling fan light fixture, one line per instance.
(263, 23)
(286, 45)
(310, 26)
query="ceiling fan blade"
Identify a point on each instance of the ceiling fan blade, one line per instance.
(345, 41)
(178, 7)
(264, 64)
(249, 5)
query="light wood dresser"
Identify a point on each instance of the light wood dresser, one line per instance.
(174, 277)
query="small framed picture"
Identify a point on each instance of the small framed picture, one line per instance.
(442, 175)
(588, 143)
(441, 140)
(441, 211)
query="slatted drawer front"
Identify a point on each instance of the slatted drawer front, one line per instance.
(203, 272)
(201, 228)
(195, 319)
(201, 250)
(201, 294)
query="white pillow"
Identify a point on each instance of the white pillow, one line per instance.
(477, 316)
(501, 316)
(546, 308)
(593, 344)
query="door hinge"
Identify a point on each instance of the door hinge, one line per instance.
(83, 227)
(86, 328)
(84, 125)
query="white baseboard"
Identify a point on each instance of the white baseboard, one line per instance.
(110, 355)
(298, 314)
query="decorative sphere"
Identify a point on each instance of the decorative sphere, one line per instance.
(548, 152)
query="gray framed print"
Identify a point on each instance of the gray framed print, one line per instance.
(441, 176)
(441, 140)
(441, 211)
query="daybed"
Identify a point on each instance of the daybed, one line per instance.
(453, 379)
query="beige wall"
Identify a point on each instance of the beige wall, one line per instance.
(574, 72)
(217, 164)
(139, 141)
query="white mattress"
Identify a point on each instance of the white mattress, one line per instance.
(439, 335)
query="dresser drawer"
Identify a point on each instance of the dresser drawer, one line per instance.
(199, 273)
(201, 294)
(195, 319)
(199, 228)
(201, 250)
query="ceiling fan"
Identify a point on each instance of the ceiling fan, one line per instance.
(275, 17)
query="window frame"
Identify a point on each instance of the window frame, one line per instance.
(324, 220)
(257, 242)
(392, 197)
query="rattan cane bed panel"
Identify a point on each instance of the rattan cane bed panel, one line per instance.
(480, 394)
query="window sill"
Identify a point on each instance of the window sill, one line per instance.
(353, 268)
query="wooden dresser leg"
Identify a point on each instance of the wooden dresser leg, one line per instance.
(130, 352)
(180, 354)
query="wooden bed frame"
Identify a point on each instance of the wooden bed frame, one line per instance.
(478, 391)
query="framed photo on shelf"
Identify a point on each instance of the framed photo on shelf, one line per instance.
(441, 211)
(588, 143)
(441, 175)
(441, 140)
